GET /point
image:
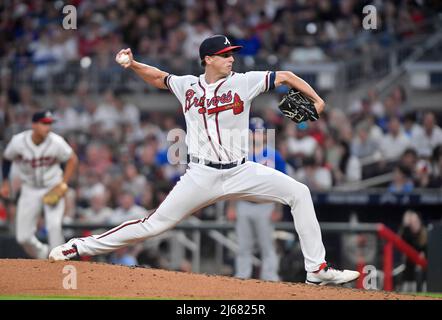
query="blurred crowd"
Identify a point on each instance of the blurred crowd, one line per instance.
(372, 137)
(32, 39)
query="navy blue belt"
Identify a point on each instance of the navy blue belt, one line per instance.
(215, 164)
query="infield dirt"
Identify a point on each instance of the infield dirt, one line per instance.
(25, 277)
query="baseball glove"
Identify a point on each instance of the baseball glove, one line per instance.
(297, 107)
(54, 195)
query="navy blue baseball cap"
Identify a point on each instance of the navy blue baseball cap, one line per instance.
(216, 44)
(43, 117)
(257, 123)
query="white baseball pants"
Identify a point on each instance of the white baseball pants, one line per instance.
(30, 205)
(201, 186)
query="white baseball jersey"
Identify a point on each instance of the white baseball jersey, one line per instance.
(39, 165)
(212, 132)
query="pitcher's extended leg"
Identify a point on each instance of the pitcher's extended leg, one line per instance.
(185, 198)
(268, 184)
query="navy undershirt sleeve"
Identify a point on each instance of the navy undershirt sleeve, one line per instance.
(272, 80)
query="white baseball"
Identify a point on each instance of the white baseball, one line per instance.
(123, 58)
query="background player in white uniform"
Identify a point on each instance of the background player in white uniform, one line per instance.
(38, 154)
(254, 224)
(216, 107)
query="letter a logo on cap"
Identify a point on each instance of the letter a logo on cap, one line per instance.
(227, 42)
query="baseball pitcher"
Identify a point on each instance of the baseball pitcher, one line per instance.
(38, 154)
(216, 106)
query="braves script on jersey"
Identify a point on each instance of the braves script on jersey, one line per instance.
(217, 114)
(39, 165)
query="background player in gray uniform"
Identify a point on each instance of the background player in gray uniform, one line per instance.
(216, 106)
(38, 154)
(254, 221)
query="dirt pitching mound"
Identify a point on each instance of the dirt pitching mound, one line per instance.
(44, 278)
